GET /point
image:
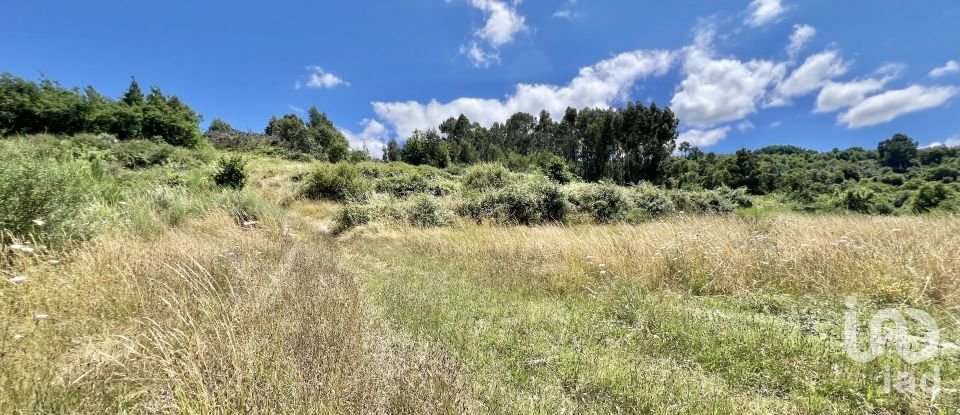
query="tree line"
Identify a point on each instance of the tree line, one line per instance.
(28, 107)
(624, 145)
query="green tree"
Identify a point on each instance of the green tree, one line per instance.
(391, 152)
(134, 95)
(898, 152)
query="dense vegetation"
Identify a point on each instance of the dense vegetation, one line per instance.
(627, 146)
(584, 266)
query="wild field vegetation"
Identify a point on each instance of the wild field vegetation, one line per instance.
(142, 275)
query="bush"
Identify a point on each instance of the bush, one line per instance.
(340, 182)
(407, 183)
(519, 204)
(650, 202)
(487, 176)
(710, 201)
(930, 196)
(231, 172)
(427, 212)
(139, 154)
(556, 169)
(604, 202)
(52, 194)
(351, 216)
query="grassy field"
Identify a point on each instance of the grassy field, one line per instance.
(182, 304)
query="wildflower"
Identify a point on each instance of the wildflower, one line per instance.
(602, 266)
(122, 203)
(53, 261)
(26, 250)
(590, 258)
(250, 223)
(17, 279)
(39, 222)
(17, 337)
(16, 247)
(603, 271)
(41, 316)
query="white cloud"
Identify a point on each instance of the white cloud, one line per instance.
(721, 90)
(295, 108)
(373, 137)
(567, 11)
(763, 12)
(319, 78)
(950, 67)
(478, 56)
(744, 126)
(704, 138)
(564, 14)
(802, 34)
(503, 22)
(812, 75)
(889, 105)
(502, 25)
(776, 124)
(950, 142)
(837, 95)
(598, 85)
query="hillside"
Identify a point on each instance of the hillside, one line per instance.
(144, 277)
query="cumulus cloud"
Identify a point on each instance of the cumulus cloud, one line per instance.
(598, 85)
(837, 95)
(950, 142)
(704, 138)
(718, 90)
(372, 137)
(319, 78)
(802, 34)
(812, 75)
(887, 106)
(950, 67)
(503, 23)
(763, 12)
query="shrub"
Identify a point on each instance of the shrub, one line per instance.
(710, 201)
(738, 196)
(52, 194)
(930, 196)
(231, 172)
(519, 204)
(340, 182)
(556, 169)
(427, 212)
(351, 216)
(604, 202)
(139, 154)
(650, 202)
(407, 183)
(487, 176)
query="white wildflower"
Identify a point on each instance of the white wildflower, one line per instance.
(39, 222)
(41, 316)
(17, 337)
(53, 261)
(26, 250)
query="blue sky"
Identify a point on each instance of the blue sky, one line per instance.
(743, 73)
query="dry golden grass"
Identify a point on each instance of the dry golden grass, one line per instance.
(208, 318)
(888, 259)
